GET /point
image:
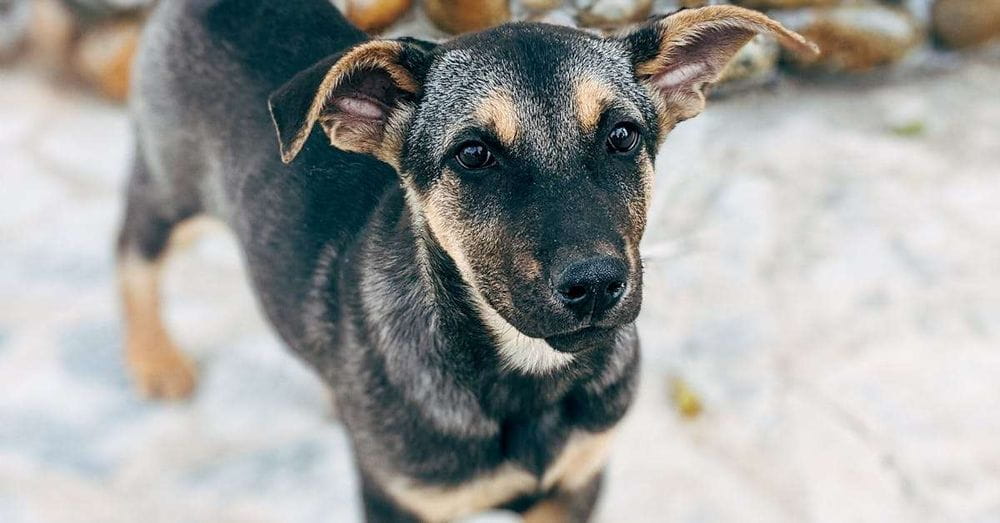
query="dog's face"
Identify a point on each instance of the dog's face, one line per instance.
(526, 151)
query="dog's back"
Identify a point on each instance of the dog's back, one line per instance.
(204, 71)
(206, 143)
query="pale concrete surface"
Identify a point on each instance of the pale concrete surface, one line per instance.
(829, 287)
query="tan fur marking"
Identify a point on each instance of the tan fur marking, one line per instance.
(666, 120)
(648, 182)
(591, 96)
(530, 355)
(583, 457)
(580, 461)
(684, 27)
(439, 215)
(448, 503)
(393, 136)
(381, 54)
(158, 367)
(639, 203)
(497, 110)
(632, 255)
(530, 267)
(184, 234)
(549, 511)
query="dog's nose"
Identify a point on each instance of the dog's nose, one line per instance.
(593, 285)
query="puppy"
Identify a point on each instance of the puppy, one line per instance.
(448, 233)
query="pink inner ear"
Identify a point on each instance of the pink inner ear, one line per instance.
(360, 108)
(681, 75)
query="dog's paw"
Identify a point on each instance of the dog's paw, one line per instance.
(162, 372)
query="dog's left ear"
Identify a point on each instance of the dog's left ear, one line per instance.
(677, 56)
(360, 98)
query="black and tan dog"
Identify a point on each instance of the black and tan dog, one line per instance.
(454, 247)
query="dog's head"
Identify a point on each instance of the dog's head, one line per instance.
(526, 151)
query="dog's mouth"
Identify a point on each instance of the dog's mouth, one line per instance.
(583, 339)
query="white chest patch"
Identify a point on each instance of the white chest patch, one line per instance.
(520, 352)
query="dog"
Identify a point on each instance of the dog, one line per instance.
(454, 247)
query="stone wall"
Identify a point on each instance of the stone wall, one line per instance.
(856, 36)
(93, 40)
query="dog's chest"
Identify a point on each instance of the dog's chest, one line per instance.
(573, 466)
(534, 443)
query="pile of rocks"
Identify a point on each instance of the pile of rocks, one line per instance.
(856, 36)
(92, 41)
(95, 39)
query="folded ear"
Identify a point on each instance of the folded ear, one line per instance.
(360, 98)
(679, 55)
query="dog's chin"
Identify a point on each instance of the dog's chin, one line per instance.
(589, 338)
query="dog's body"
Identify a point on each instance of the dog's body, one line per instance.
(421, 314)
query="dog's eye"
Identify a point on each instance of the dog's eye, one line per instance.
(623, 138)
(474, 155)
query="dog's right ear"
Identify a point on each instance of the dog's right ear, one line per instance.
(361, 99)
(677, 56)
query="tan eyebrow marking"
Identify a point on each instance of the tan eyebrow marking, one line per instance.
(590, 96)
(498, 110)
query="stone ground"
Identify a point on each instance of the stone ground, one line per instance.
(822, 271)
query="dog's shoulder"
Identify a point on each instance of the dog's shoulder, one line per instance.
(292, 25)
(273, 37)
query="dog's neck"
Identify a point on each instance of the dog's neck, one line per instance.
(425, 334)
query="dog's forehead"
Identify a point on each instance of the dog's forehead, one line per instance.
(527, 80)
(532, 51)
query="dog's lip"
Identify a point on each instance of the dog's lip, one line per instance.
(564, 341)
(581, 330)
(585, 329)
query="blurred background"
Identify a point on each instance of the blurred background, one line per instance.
(821, 328)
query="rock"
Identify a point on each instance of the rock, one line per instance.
(612, 13)
(462, 16)
(89, 12)
(104, 54)
(919, 9)
(965, 23)
(669, 6)
(541, 5)
(375, 15)
(785, 4)
(15, 19)
(754, 65)
(555, 17)
(51, 34)
(853, 38)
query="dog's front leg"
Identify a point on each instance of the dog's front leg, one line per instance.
(379, 508)
(563, 506)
